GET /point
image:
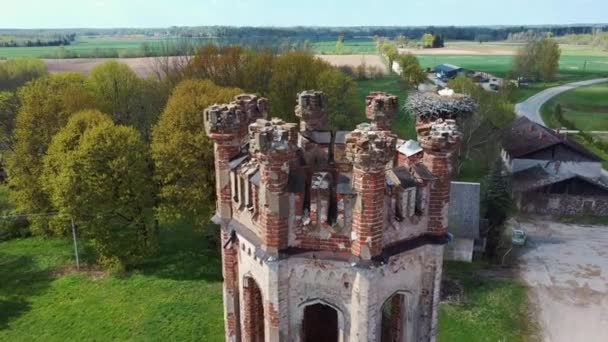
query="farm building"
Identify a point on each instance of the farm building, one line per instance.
(450, 71)
(552, 174)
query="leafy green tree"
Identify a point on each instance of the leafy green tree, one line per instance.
(498, 205)
(411, 72)
(427, 40)
(391, 52)
(183, 154)
(46, 105)
(9, 105)
(116, 89)
(548, 63)
(98, 174)
(16, 72)
(538, 59)
(341, 99)
(482, 130)
(292, 73)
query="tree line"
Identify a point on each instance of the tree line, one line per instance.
(119, 155)
(27, 41)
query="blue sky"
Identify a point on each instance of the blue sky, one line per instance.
(163, 13)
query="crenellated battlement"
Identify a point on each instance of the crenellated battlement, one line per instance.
(255, 107)
(225, 119)
(381, 108)
(312, 110)
(272, 136)
(439, 135)
(369, 148)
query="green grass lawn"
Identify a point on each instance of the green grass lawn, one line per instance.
(175, 296)
(587, 107)
(404, 123)
(492, 310)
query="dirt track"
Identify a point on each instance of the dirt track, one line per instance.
(566, 267)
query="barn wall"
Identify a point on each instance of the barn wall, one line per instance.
(558, 204)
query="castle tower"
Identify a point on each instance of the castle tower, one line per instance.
(369, 150)
(319, 250)
(381, 109)
(273, 144)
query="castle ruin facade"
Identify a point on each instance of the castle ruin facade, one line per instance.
(330, 236)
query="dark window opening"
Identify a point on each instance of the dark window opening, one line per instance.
(393, 319)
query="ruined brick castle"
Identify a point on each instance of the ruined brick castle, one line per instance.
(330, 236)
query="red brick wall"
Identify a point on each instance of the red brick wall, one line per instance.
(225, 149)
(368, 218)
(274, 178)
(230, 274)
(253, 320)
(439, 164)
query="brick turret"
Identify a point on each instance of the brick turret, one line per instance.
(255, 107)
(369, 150)
(312, 110)
(274, 144)
(226, 125)
(439, 138)
(381, 109)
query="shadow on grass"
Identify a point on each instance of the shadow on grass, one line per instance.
(185, 254)
(20, 278)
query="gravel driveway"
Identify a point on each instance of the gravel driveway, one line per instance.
(566, 267)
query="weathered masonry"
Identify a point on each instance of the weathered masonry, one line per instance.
(330, 236)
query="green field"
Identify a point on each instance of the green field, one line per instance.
(586, 107)
(175, 296)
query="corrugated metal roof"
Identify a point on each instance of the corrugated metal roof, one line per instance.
(409, 148)
(463, 211)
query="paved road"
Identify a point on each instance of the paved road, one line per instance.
(531, 107)
(566, 268)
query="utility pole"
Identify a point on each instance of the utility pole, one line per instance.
(75, 244)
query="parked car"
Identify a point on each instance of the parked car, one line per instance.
(494, 86)
(518, 238)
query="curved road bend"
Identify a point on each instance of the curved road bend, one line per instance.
(530, 108)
